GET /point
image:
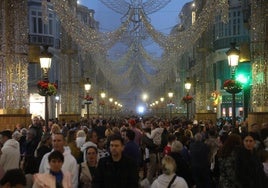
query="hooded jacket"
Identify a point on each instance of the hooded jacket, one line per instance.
(10, 157)
(164, 180)
(69, 165)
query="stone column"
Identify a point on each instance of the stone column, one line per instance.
(259, 59)
(14, 97)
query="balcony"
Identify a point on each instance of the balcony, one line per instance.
(44, 40)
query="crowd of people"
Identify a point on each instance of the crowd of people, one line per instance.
(134, 152)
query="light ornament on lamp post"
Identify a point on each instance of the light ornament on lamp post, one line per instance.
(187, 99)
(170, 104)
(88, 98)
(232, 86)
(44, 87)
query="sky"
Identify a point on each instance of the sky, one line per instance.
(163, 20)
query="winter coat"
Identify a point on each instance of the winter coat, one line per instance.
(47, 180)
(164, 180)
(10, 157)
(69, 165)
(85, 176)
(116, 174)
(249, 170)
(183, 169)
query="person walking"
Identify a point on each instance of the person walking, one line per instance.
(69, 163)
(200, 163)
(249, 169)
(116, 170)
(227, 155)
(87, 168)
(56, 177)
(10, 152)
(169, 178)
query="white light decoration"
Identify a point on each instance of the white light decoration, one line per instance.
(98, 43)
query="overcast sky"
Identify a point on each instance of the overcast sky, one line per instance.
(163, 20)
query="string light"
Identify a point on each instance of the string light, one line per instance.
(125, 68)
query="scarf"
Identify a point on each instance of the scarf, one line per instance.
(59, 178)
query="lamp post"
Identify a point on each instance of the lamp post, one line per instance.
(162, 100)
(87, 86)
(145, 98)
(170, 95)
(111, 106)
(45, 64)
(156, 107)
(57, 99)
(233, 59)
(103, 95)
(187, 86)
(115, 108)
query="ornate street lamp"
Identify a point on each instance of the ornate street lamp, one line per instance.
(45, 61)
(103, 95)
(87, 86)
(233, 86)
(45, 64)
(111, 106)
(187, 86)
(170, 95)
(162, 107)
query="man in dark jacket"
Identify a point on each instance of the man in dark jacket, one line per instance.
(116, 170)
(131, 149)
(200, 165)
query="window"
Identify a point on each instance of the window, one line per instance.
(37, 26)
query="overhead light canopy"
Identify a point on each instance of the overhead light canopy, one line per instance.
(233, 55)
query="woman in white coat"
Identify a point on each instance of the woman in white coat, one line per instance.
(168, 178)
(87, 168)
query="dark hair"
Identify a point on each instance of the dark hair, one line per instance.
(251, 134)
(6, 133)
(231, 143)
(71, 135)
(171, 137)
(130, 134)
(93, 147)
(45, 137)
(114, 137)
(14, 177)
(56, 155)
